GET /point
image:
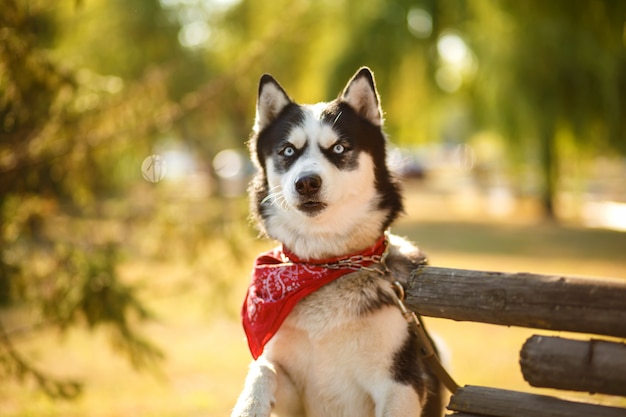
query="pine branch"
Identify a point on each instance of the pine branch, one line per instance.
(14, 365)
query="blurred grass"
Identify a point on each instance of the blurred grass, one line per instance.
(196, 300)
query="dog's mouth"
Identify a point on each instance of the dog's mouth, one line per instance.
(311, 207)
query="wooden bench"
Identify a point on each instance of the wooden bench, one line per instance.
(560, 303)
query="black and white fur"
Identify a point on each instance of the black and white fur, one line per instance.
(323, 190)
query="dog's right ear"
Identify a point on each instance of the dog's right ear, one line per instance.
(361, 94)
(271, 101)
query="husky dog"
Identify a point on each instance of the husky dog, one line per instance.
(323, 190)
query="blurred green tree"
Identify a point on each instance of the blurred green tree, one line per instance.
(77, 109)
(548, 66)
(85, 90)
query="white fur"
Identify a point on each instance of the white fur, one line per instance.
(344, 366)
(326, 362)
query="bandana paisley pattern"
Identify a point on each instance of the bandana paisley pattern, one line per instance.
(280, 279)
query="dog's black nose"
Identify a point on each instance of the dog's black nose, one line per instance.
(308, 184)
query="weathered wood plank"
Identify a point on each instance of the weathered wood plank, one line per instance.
(503, 403)
(576, 304)
(594, 366)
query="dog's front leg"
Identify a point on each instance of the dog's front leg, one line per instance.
(257, 397)
(402, 400)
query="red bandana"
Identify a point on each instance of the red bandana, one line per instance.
(280, 280)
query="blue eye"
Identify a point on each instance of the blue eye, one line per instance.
(288, 151)
(339, 149)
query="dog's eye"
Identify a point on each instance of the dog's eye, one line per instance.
(288, 151)
(339, 148)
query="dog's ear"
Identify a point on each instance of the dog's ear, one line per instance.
(360, 93)
(271, 101)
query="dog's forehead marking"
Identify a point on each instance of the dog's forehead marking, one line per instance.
(297, 137)
(313, 128)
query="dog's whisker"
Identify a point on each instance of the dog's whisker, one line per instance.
(272, 198)
(284, 206)
(337, 118)
(271, 195)
(280, 201)
(276, 198)
(268, 197)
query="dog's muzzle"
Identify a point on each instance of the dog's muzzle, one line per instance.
(308, 186)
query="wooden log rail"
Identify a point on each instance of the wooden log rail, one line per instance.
(595, 366)
(586, 305)
(493, 402)
(559, 303)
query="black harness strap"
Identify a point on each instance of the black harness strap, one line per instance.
(426, 349)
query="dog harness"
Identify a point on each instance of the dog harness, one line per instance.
(280, 279)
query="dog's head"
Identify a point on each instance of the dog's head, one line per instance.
(323, 186)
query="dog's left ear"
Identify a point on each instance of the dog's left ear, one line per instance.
(271, 101)
(360, 93)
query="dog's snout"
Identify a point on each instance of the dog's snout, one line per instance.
(308, 184)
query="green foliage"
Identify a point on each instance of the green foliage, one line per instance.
(549, 66)
(13, 365)
(566, 59)
(65, 142)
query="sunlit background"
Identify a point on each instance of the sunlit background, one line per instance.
(125, 243)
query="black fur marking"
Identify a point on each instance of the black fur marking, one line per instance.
(365, 136)
(284, 161)
(347, 160)
(274, 137)
(370, 304)
(262, 145)
(406, 367)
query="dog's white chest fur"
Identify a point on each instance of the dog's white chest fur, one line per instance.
(334, 354)
(336, 361)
